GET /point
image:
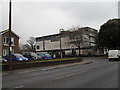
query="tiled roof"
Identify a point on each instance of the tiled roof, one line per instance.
(4, 31)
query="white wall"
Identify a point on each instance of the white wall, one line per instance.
(54, 45)
(65, 43)
(0, 45)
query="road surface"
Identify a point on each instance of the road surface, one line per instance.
(99, 74)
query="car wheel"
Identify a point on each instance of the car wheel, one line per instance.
(110, 60)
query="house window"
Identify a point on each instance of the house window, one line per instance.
(5, 52)
(85, 36)
(12, 50)
(12, 40)
(5, 40)
(39, 39)
(55, 38)
(38, 47)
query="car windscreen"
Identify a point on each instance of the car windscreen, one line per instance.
(47, 54)
(44, 54)
(18, 55)
(33, 54)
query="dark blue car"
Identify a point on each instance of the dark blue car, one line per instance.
(16, 57)
(45, 55)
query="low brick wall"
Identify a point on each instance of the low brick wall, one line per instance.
(30, 64)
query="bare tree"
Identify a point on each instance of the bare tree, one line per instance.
(21, 46)
(75, 37)
(25, 47)
(31, 44)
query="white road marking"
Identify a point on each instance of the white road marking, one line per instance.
(27, 71)
(48, 68)
(70, 75)
(19, 86)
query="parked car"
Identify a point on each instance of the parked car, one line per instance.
(31, 55)
(44, 55)
(2, 59)
(16, 57)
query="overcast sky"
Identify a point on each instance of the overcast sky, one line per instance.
(34, 18)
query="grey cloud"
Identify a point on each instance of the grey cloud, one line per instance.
(38, 18)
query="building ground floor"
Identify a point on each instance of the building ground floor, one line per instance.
(72, 52)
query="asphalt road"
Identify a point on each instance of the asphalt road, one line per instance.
(99, 74)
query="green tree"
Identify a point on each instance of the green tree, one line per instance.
(109, 34)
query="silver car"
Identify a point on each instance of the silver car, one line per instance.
(2, 59)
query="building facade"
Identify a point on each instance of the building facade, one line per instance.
(60, 43)
(4, 45)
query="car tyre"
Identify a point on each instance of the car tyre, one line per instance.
(110, 60)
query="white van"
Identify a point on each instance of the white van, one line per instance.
(114, 55)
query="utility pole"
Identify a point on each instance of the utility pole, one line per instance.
(10, 48)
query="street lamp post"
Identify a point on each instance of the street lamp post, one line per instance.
(10, 48)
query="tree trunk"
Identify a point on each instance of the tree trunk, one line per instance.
(79, 51)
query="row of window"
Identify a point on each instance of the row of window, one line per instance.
(85, 43)
(57, 38)
(52, 38)
(6, 40)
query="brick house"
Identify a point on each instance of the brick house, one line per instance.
(4, 46)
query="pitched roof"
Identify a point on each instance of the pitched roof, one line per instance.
(4, 31)
(47, 36)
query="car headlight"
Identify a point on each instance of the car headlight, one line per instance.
(20, 59)
(5, 60)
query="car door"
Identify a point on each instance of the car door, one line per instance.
(14, 57)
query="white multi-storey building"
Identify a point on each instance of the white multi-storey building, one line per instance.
(59, 43)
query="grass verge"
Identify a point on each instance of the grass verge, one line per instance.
(50, 60)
